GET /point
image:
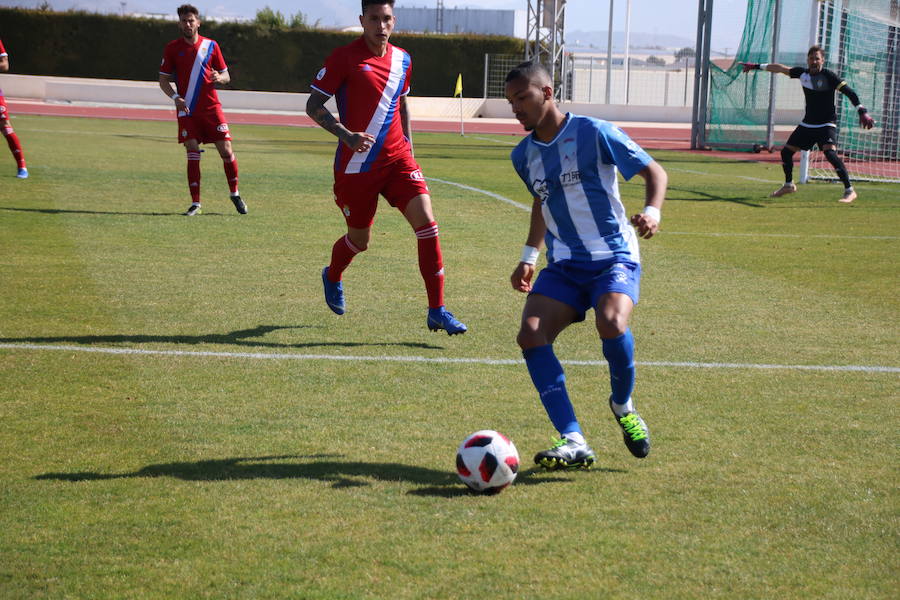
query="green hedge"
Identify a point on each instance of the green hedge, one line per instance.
(78, 44)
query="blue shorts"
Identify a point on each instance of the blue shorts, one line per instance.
(580, 285)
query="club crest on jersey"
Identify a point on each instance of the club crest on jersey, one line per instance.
(320, 74)
(541, 189)
(365, 67)
(184, 133)
(346, 210)
(222, 128)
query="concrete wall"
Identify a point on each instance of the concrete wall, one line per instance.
(147, 93)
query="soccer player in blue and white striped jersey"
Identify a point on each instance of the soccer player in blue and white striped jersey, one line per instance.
(569, 164)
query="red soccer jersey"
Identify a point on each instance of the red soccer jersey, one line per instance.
(2, 54)
(190, 66)
(367, 89)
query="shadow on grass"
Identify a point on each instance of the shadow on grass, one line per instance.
(61, 211)
(234, 338)
(321, 467)
(693, 194)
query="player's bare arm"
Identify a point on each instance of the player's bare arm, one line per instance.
(165, 84)
(4, 63)
(220, 77)
(770, 67)
(522, 276)
(315, 109)
(655, 183)
(405, 121)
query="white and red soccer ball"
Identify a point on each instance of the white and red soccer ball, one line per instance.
(487, 461)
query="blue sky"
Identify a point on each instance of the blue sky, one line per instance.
(678, 17)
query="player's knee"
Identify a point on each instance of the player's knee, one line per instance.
(529, 338)
(359, 240)
(831, 155)
(611, 324)
(787, 155)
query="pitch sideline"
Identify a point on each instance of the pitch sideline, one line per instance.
(445, 360)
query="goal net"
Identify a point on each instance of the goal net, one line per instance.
(862, 42)
(862, 39)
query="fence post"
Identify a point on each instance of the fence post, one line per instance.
(591, 81)
(485, 75)
(666, 94)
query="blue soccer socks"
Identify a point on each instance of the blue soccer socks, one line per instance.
(548, 377)
(619, 353)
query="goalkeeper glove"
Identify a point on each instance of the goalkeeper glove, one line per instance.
(865, 121)
(750, 67)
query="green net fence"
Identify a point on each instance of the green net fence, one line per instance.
(862, 43)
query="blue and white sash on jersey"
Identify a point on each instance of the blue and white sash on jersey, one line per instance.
(384, 113)
(198, 75)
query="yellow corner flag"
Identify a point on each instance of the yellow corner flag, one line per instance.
(458, 91)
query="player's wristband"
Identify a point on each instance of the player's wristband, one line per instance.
(762, 66)
(653, 212)
(861, 109)
(175, 97)
(529, 255)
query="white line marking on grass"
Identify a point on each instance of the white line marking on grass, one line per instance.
(666, 232)
(706, 174)
(506, 142)
(445, 360)
(485, 192)
(785, 235)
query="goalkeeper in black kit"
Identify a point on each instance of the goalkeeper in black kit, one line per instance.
(818, 124)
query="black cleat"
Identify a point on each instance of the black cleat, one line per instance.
(239, 204)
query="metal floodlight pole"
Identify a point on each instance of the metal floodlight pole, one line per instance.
(627, 50)
(770, 122)
(609, 39)
(701, 75)
(545, 39)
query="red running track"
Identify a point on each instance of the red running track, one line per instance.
(649, 137)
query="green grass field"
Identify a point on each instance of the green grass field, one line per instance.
(248, 443)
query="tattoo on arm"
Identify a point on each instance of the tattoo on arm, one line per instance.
(315, 109)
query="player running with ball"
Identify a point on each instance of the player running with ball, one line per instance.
(818, 124)
(569, 165)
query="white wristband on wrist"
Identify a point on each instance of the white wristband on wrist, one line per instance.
(529, 255)
(175, 97)
(653, 212)
(762, 66)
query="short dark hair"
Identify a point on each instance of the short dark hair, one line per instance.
(186, 9)
(816, 48)
(366, 3)
(528, 70)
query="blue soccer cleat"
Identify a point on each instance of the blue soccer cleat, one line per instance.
(22, 173)
(441, 318)
(334, 294)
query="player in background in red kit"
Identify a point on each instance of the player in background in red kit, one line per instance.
(196, 64)
(12, 139)
(369, 79)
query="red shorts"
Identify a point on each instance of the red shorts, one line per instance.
(3, 114)
(356, 194)
(208, 126)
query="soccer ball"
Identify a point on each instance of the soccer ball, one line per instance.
(487, 461)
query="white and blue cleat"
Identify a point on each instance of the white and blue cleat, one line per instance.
(22, 173)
